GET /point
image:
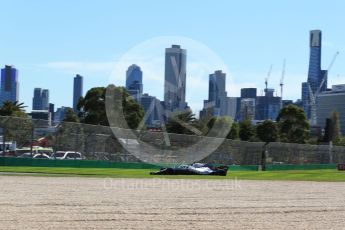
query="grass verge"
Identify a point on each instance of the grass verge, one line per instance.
(293, 175)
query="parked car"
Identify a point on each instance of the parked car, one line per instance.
(41, 156)
(35, 150)
(67, 155)
(7, 154)
(26, 155)
(34, 155)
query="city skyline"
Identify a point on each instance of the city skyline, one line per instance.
(176, 78)
(248, 46)
(175, 84)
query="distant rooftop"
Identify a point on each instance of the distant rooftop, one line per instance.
(338, 87)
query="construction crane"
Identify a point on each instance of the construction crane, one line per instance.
(281, 84)
(312, 103)
(312, 96)
(268, 77)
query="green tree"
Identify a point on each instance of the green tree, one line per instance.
(247, 131)
(205, 124)
(214, 126)
(12, 109)
(182, 122)
(293, 125)
(267, 131)
(234, 133)
(210, 123)
(133, 112)
(93, 107)
(219, 126)
(70, 116)
(332, 129)
(336, 134)
(328, 130)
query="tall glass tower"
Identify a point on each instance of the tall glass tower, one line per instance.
(134, 82)
(175, 78)
(40, 100)
(315, 74)
(216, 91)
(9, 90)
(216, 88)
(77, 90)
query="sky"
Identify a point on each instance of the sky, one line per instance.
(51, 41)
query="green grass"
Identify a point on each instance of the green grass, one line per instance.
(293, 175)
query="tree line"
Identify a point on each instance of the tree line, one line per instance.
(291, 125)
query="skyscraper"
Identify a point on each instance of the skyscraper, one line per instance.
(218, 103)
(9, 84)
(315, 74)
(45, 99)
(37, 100)
(216, 88)
(134, 82)
(77, 91)
(305, 99)
(233, 104)
(52, 111)
(175, 78)
(40, 100)
(329, 102)
(247, 109)
(216, 92)
(60, 114)
(248, 93)
(268, 106)
(247, 104)
(151, 106)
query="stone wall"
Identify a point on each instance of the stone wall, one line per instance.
(100, 143)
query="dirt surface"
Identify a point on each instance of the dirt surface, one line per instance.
(91, 203)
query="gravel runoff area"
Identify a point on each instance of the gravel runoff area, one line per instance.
(28, 202)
